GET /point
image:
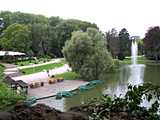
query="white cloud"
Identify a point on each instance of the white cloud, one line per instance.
(135, 15)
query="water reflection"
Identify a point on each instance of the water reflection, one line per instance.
(52, 102)
(115, 84)
(129, 74)
(136, 74)
(120, 86)
(152, 74)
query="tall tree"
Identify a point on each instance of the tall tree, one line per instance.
(40, 39)
(16, 37)
(54, 45)
(6, 15)
(22, 18)
(87, 54)
(64, 31)
(152, 43)
(124, 43)
(140, 46)
(53, 21)
(113, 42)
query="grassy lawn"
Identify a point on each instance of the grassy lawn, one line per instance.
(69, 76)
(31, 61)
(27, 71)
(140, 60)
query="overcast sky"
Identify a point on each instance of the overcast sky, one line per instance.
(135, 15)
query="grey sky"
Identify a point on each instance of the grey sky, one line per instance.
(135, 15)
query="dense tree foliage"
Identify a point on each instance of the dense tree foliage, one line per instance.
(1, 25)
(140, 46)
(87, 54)
(64, 30)
(47, 35)
(119, 44)
(152, 43)
(113, 42)
(16, 37)
(40, 39)
(124, 43)
(22, 18)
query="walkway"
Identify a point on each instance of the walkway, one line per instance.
(36, 65)
(42, 76)
(11, 70)
(47, 89)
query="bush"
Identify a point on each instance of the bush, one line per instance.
(8, 97)
(129, 106)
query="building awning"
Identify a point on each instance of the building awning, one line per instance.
(9, 80)
(11, 53)
(22, 84)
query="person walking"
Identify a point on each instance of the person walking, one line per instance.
(48, 73)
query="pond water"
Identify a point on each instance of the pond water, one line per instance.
(115, 84)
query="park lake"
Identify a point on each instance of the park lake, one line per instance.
(115, 84)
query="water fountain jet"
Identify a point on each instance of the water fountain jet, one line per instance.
(136, 70)
(134, 50)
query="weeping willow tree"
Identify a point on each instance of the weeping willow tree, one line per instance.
(87, 55)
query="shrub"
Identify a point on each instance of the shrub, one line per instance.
(129, 106)
(8, 97)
